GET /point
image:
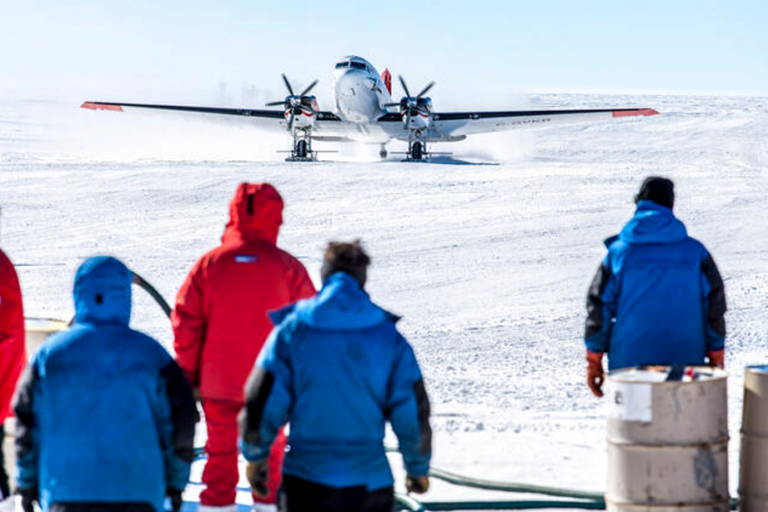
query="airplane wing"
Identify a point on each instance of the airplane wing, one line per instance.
(267, 118)
(446, 126)
(328, 126)
(450, 126)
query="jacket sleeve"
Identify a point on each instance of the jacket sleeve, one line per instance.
(268, 398)
(714, 304)
(9, 305)
(12, 351)
(27, 432)
(601, 309)
(189, 325)
(178, 425)
(408, 410)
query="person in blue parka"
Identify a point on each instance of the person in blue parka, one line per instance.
(105, 417)
(337, 370)
(657, 298)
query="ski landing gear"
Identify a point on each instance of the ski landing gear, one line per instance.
(302, 147)
(417, 151)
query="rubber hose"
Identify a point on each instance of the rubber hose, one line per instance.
(513, 505)
(144, 284)
(491, 485)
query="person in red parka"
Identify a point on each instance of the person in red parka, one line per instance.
(12, 352)
(220, 323)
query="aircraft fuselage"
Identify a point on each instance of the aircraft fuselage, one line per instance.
(359, 91)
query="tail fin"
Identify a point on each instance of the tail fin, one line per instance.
(387, 77)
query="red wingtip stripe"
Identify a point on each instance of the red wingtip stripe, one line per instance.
(100, 106)
(638, 112)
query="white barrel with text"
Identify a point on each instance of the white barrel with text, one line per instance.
(667, 440)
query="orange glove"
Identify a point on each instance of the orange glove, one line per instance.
(717, 358)
(595, 374)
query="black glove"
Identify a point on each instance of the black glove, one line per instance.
(175, 496)
(28, 499)
(417, 484)
(258, 476)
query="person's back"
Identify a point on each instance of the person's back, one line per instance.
(657, 298)
(343, 350)
(337, 367)
(104, 413)
(220, 319)
(242, 280)
(220, 324)
(659, 314)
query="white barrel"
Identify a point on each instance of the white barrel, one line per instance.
(37, 331)
(667, 441)
(753, 468)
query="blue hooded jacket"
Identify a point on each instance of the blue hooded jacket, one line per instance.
(104, 414)
(658, 297)
(337, 369)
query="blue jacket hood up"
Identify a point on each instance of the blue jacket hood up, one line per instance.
(101, 395)
(103, 291)
(651, 224)
(657, 297)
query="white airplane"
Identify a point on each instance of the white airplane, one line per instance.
(365, 112)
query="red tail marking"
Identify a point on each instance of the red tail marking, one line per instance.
(638, 112)
(387, 77)
(100, 106)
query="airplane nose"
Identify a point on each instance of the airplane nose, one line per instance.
(355, 99)
(349, 82)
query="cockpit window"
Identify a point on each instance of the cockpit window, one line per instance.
(357, 65)
(341, 65)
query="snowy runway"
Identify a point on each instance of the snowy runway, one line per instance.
(488, 264)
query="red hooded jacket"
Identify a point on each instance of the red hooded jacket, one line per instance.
(12, 352)
(220, 321)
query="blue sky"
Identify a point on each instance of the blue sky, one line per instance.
(162, 50)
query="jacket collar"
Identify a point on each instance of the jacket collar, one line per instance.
(340, 305)
(651, 224)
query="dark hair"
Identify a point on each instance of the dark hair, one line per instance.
(347, 257)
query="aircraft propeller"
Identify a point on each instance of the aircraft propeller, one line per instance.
(296, 102)
(412, 105)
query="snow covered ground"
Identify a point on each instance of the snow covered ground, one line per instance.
(487, 256)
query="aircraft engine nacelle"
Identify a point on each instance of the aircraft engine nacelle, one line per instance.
(302, 112)
(300, 109)
(416, 113)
